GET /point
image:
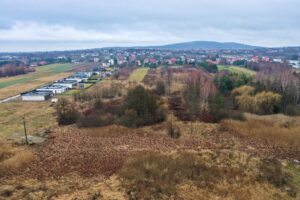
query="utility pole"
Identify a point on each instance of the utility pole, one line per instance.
(25, 132)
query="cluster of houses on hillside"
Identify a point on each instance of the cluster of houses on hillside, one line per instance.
(77, 80)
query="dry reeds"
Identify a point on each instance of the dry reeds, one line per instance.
(275, 130)
(13, 159)
(208, 175)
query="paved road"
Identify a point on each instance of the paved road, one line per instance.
(9, 99)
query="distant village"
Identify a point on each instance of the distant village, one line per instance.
(136, 57)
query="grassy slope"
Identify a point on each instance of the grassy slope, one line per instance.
(38, 115)
(138, 74)
(47, 70)
(236, 69)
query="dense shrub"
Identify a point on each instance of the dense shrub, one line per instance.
(210, 67)
(271, 171)
(240, 62)
(95, 120)
(227, 81)
(260, 103)
(246, 89)
(173, 131)
(130, 119)
(144, 104)
(66, 112)
(220, 175)
(98, 113)
(160, 88)
(267, 102)
(221, 107)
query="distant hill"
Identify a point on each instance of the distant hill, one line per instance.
(205, 45)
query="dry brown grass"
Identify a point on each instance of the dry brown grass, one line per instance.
(19, 160)
(39, 116)
(108, 88)
(232, 192)
(204, 175)
(102, 151)
(274, 130)
(71, 187)
(13, 159)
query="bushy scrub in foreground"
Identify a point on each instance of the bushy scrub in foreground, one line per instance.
(140, 108)
(66, 112)
(207, 175)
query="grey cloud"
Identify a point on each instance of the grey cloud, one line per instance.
(267, 22)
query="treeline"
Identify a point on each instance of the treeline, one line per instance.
(197, 95)
(274, 89)
(210, 67)
(13, 68)
(282, 80)
(263, 66)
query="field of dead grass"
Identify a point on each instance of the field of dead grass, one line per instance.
(100, 163)
(103, 150)
(203, 175)
(277, 132)
(14, 159)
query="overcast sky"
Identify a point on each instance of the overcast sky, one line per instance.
(31, 25)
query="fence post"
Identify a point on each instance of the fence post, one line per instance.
(25, 132)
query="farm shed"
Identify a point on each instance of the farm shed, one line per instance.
(67, 83)
(36, 96)
(55, 89)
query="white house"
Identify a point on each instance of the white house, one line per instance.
(72, 78)
(55, 89)
(295, 63)
(67, 83)
(36, 96)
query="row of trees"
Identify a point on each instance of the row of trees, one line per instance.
(210, 67)
(282, 80)
(13, 70)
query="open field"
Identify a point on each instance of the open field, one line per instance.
(253, 158)
(117, 157)
(38, 115)
(71, 92)
(236, 69)
(278, 130)
(14, 85)
(138, 74)
(43, 71)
